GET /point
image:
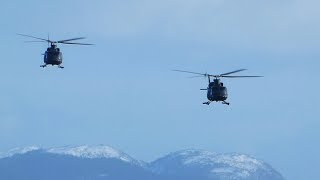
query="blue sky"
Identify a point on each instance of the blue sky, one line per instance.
(122, 92)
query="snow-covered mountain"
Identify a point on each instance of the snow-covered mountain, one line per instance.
(104, 162)
(190, 164)
(92, 152)
(17, 151)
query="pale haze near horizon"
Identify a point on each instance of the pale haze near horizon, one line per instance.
(122, 92)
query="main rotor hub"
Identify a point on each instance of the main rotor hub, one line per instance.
(53, 45)
(216, 80)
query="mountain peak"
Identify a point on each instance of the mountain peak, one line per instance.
(231, 165)
(17, 151)
(197, 156)
(85, 151)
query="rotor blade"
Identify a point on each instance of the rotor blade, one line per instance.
(74, 43)
(33, 41)
(73, 39)
(195, 76)
(191, 72)
(232, 72)
(46, 40)
(240, 76)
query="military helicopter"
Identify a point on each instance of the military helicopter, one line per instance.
(215, 90)
(53, 55)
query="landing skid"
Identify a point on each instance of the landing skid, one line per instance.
(45, 65)
(224, 102)
(207, 103)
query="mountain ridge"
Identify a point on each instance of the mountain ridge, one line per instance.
(104, 162)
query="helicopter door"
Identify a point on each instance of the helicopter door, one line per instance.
(223, 92)
(45, 57)
(210, 94)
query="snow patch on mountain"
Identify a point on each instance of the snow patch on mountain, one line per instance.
(17, 151)
(85, 151)
(237, 165)
(91, 152)
(192, 156)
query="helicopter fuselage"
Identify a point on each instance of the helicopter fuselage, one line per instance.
(216, 91)
(52, 56)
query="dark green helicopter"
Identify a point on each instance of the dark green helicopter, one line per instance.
(53, 55)
(215, 90)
